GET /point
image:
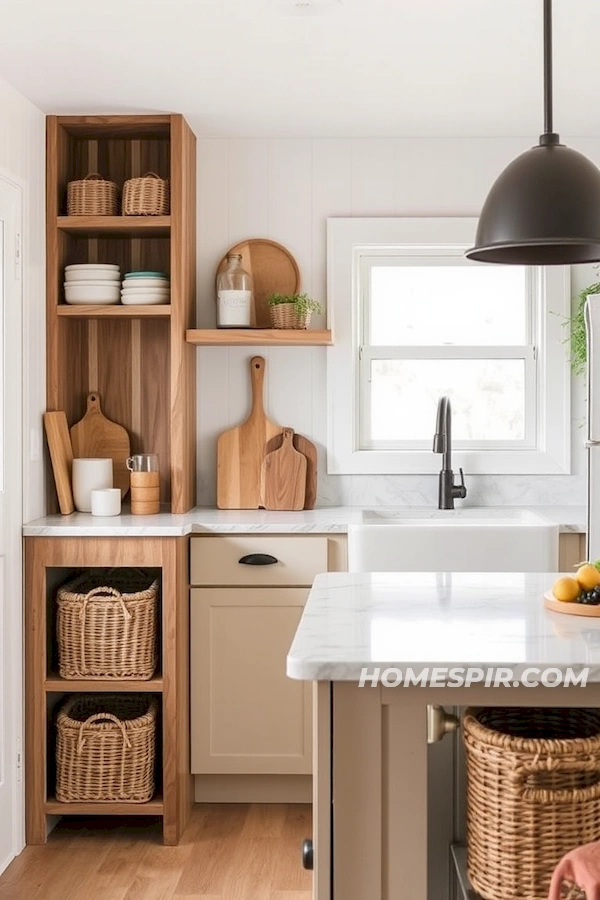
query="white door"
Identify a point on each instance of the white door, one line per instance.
(11, 608)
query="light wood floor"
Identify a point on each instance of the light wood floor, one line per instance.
(228, 852)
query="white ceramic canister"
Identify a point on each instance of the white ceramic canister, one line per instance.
(106, 502)
(90, 475)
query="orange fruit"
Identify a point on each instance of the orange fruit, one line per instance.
(588, 577)
(566, 589)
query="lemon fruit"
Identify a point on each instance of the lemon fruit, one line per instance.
(588, 577)
(566, 589)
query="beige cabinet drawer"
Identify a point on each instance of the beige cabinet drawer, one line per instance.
(247, 717)
(228, 560)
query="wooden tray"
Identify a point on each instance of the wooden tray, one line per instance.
(274, 271)
(570, 609)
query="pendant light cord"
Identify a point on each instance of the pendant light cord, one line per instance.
(548, 137)
(548, 67)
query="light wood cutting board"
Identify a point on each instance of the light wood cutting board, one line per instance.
(307, 449)
(284, 476)
(97, 436)
(274, 271)
(61, 455)
(241, 450)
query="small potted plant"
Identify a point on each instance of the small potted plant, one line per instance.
(292, 310)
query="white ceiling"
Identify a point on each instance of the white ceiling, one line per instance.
(367, 68)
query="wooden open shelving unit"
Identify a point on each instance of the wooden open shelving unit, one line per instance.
(255, 337)
(137, 358)
(49, 562)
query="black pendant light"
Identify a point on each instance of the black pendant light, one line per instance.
(544, 209)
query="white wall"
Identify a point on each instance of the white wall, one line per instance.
(22, 159)
(285, 190)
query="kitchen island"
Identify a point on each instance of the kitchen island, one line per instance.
(388, 805)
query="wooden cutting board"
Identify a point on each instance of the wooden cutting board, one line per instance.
(284, 475)
(241, 450)
(274, 271)
(569, 609)
(97, 436)
(61, 455)
(307, 449)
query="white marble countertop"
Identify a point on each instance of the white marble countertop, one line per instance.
(425, 620)
(325, 519)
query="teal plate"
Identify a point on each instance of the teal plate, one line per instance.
(145, 275)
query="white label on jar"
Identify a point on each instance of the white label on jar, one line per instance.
(234, 308)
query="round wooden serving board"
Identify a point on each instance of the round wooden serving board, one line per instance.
(570, 609)
(274, 271)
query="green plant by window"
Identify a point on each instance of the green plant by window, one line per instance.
(302, 302)
(578, 331)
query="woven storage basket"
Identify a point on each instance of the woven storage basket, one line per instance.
(533, 794)
(92, 196)
(146, 196)
(110, 631)
(106, 748)
(284, 315)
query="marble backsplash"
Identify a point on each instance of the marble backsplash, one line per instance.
(421, 490)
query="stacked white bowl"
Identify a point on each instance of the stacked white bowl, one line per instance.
(93, 283)
(147, 288)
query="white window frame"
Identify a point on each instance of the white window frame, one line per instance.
(545, 450)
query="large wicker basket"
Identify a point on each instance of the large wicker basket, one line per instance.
(109, 631)
(285, 315)
(533, 794)
(92, 196)
(106, 748)
(146, 196)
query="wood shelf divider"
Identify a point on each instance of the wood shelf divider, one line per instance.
(137, 226)
(55, 684)
(116, 311)
(154, 807)
(253, 337)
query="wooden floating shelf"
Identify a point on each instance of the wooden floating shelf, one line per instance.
(136, 226)
(153, 807)
(253, 337)
(116, 311)
(55, 684)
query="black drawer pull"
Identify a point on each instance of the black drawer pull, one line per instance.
(258, 559)
(308, 854)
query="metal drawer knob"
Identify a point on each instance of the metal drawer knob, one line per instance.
(308, 855)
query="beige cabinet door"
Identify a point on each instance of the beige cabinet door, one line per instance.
(247, 717)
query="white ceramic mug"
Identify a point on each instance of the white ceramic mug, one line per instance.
(106, 502)
(90, 475)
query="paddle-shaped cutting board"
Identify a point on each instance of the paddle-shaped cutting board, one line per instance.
(241, 450)
(307, 449)
(97, 436)
(61, 455)
(284, 476)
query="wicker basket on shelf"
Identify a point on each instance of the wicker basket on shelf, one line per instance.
(106, 748)
(92, 196)
(533, 794)
(108, 631)
(146, 196)
(285, 315)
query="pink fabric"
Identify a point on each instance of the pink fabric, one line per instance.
(582, 866)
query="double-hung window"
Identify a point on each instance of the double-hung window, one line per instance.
(414, 320)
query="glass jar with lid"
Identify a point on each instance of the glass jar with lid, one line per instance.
(234, 294)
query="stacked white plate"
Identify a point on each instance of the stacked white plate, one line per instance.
(92, 283)
(147, 288)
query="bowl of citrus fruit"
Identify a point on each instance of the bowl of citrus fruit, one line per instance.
(578, 594)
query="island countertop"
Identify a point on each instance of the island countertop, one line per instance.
(421, 620)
